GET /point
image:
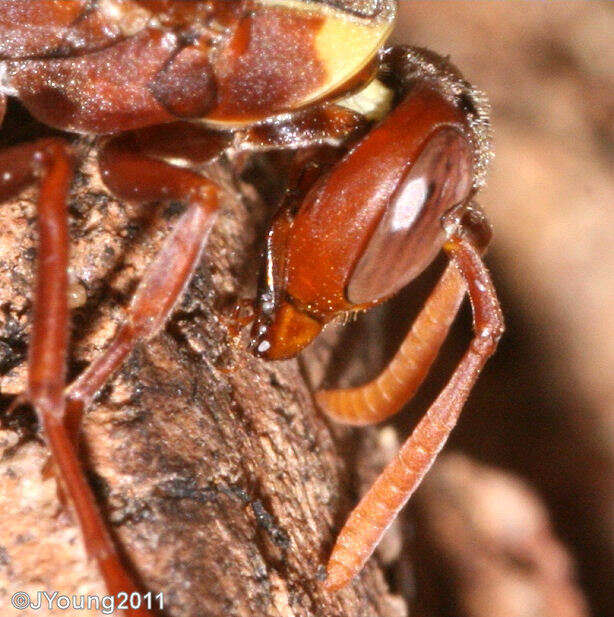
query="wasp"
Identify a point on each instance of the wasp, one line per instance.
(390, 148)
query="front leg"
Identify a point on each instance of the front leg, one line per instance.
(385, 395)
(378, 508)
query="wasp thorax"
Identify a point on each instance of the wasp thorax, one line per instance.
(410, 233)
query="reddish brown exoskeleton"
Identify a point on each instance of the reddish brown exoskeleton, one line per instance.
(368, 207)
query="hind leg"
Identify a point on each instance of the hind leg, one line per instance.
(49, 161)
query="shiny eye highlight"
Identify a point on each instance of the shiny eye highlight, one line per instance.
(409, 233)
(409, 203)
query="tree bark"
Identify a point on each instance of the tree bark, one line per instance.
(222, 482)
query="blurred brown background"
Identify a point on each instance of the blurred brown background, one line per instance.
(544, 409)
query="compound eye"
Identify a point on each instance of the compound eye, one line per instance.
(409, 234)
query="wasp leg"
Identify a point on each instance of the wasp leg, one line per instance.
(19, 166)
(131, 173)
(385, 395)
(369, 520)
(2, 107)
(330, 125)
